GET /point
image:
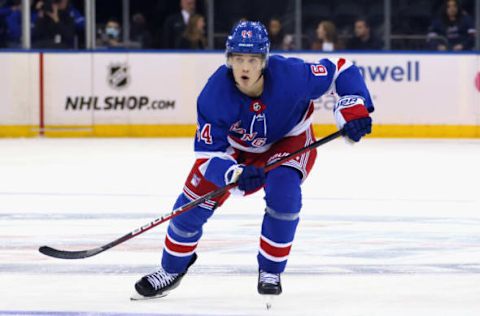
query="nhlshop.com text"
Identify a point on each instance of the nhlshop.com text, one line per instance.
(116, 103)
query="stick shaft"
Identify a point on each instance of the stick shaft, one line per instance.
(65, 254)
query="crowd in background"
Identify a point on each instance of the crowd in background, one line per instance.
(327, 25)
(54, 23)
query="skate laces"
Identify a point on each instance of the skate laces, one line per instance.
(161, 278)
(271, 278)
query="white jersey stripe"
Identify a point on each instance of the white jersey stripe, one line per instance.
(178, 254)
(204, 205)
(195, 196)
(276, 244)
(173, 241)
(219, 154)
(345, 66)
(255, 150)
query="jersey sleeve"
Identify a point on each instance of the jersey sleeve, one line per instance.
(319, 77)
(212, 131)
(337, 75)
(211, 143)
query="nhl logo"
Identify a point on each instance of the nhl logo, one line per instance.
(257, 106)
(118, 77)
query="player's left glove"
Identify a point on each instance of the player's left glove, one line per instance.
(225, 171)
(249, 178)
(352, 115)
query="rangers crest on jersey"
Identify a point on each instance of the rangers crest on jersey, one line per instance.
(255, 134)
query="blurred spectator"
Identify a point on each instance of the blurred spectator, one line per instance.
(110, 35)
(12, 23)
(326, 37)
(76, 15)
(175, 24)
(139, 33)
(194, 35)
(54, 27)
(79, 20)
(3, 33)
(363, 38)
(276, 34)
(452, 30)
(278, 39)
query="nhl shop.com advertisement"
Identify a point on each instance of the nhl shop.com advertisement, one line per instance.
(90, 90)
(118, 78)
(118, 89)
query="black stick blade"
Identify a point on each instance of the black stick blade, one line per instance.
(65, 254)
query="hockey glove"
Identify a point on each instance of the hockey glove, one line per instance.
(249, 178)
(352, 115)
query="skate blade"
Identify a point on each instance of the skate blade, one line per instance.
(269, 301)
(138, 297)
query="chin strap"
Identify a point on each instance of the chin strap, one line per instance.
(259, 77)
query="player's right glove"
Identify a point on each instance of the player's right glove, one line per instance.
(352, 115)
(249, 178)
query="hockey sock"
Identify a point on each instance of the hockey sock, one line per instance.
(182, 237)
(283, 196)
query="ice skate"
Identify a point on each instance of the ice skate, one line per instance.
(159, 284)
(269, 285)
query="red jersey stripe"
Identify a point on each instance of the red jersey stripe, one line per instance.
(172, 246)
(340, 63)
(274, 251)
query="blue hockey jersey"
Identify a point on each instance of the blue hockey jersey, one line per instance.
(229, 119)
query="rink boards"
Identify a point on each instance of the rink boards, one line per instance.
(154, 94)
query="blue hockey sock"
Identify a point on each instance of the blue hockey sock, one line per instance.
(183, 234)
(283, 197)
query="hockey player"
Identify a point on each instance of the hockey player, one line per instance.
(252, 111)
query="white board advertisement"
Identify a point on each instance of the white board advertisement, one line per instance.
(19, 89)
(126, 88)
(416, 88)
(162, 88)
(155, 88)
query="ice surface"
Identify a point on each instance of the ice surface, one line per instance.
(388, 227)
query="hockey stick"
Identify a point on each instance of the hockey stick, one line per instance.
(66, 254)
